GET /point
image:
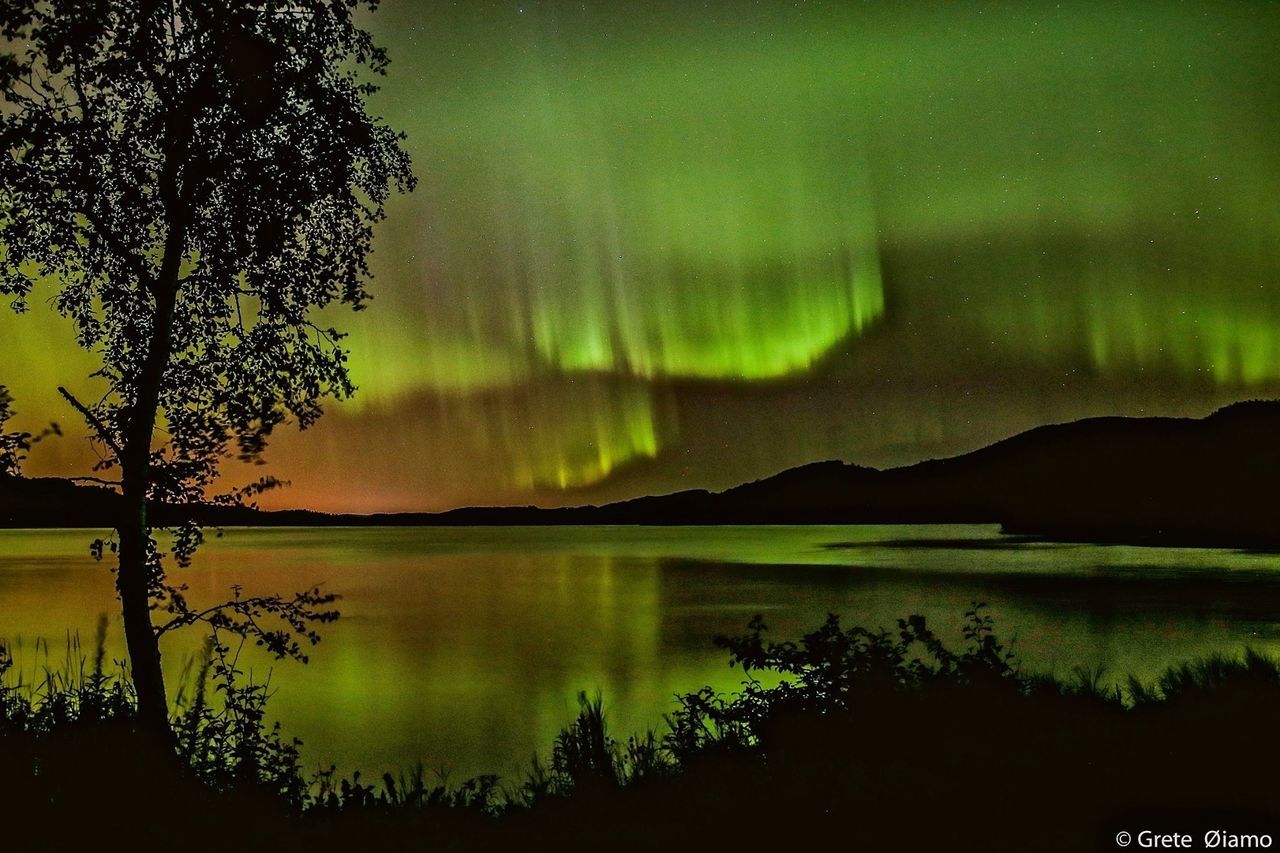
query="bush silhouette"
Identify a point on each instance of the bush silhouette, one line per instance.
(865, 739)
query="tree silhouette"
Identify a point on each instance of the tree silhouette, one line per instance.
(197, 177)
(14, 446)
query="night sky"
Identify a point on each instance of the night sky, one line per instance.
(687, 244)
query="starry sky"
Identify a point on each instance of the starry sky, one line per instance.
(668, 244)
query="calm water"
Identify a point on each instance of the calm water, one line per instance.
(463, 648)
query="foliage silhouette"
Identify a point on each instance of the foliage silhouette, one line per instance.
(14, 446)
(849, 737)
(194, 177)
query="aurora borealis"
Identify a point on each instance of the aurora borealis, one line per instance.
(664, 245)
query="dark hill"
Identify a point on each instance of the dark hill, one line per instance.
(53, 503)
(1212, 480)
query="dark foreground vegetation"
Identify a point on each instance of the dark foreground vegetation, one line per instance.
(849, 738)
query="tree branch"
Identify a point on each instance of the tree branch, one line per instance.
(145, 278)
(104, 435)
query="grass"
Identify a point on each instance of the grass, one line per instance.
(850, 737)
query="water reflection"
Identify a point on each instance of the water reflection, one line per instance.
(463, 648)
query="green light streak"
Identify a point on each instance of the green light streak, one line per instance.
(621, 200)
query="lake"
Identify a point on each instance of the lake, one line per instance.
(464, 648)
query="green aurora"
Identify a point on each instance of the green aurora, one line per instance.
(664, 245)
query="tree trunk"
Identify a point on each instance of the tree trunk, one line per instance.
(135, 600)
(134, 529)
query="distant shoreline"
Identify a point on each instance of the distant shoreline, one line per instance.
(1137, 539)
(1207, 482)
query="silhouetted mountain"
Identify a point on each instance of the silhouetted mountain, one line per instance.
(1211, 480)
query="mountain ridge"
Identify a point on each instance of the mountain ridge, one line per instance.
(1209, 480)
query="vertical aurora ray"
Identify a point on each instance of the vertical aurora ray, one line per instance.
(534, 439)
(654, 243)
